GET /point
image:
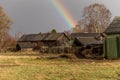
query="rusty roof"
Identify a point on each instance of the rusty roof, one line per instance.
(42, 37)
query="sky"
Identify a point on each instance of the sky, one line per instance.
(34, 16)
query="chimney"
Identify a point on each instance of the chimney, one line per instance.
(40, 33)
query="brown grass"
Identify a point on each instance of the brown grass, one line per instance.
(42, 68)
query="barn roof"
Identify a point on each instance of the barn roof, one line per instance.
(114, 27)
(87, 40)
(73, 35)
(54, 36)
(29, 37)
(42, 37)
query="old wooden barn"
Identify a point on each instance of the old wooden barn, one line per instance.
(88, 44)
(42, 40)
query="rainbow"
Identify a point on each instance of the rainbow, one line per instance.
(67, 17)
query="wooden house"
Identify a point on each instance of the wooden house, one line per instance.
(55, 39)
(37, 41)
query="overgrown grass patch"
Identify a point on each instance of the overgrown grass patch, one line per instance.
(31, 68)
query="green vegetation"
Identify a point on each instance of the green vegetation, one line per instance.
(53, 31)
(33, 68)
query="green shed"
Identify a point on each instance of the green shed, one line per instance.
(112, 40)
(118, 46)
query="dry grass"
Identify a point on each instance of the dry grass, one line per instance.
(33, 68)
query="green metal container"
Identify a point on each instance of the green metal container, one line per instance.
(110, 47)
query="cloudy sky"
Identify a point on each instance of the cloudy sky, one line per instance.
(34, 16)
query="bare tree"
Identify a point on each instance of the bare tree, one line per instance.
(18, 35)
(10, 42)
(76, 29)
(5, 24)
(96, 18)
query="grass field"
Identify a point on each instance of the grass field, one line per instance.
(34, 68)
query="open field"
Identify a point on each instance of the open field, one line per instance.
(39, 68)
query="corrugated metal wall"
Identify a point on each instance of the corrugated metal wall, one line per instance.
(111, 47)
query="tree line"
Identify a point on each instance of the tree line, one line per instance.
(96, 18)
(6, 40)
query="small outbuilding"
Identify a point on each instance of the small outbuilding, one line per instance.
(112, 40)
(88, 44)
(83, 39)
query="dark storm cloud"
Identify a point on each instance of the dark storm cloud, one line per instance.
(34, 16)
